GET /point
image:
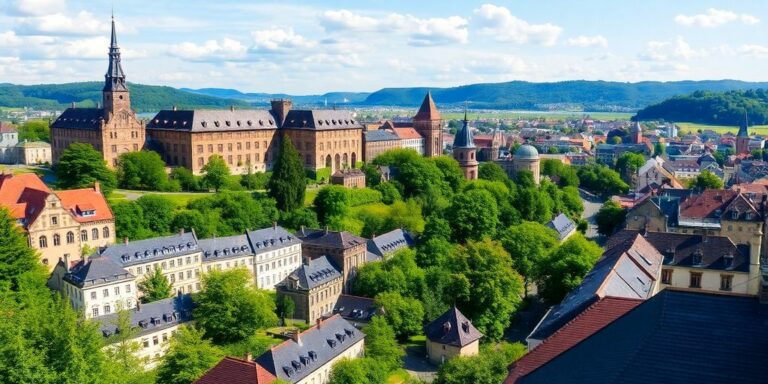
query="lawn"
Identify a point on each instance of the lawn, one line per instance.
(398, 377)
(720, 129)
(309, 196)
(181, 199)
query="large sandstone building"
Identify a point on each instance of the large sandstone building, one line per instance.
(112, 129)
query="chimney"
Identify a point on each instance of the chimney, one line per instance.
(181, 231)
(66, 262)
(305, 260)
(296, 336)
(326, 229)
(280, 108)
(73, 104)
(138, 305)
(302, 230)
(125, 240)
(97, 187)
(231, 108)
(248, 356)
(274, 225)
(319, 322)
(174, 108)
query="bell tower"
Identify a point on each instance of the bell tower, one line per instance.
(430, 125)
(115, 94)
(464, 151)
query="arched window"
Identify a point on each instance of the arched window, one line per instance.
(70, 237)
(106, 232)
(472, 155)
(83, 235)
(43, 242)
(56, 240)
(95, 234)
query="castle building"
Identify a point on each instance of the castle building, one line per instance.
(314, 287)
(112, 129)
(464, 151)
(429, 124)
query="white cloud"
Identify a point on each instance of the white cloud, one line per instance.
(36, 7)
(224, 49)
(421, 32)
(661, 51)
(714, 18)
(754, 50)
(497, 64)
(587, 41)
(352, 60)
(500, 23)
(83, 23)
(278, 39)
(400, 65)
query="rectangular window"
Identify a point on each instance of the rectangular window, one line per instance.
(220, 148)
(239, 146)
(172, 262)
(199, 149)
(114, 149)
(726, 282)
(105, 293)
(155, 340)
(210, 148)
(95, 312)
(93, 295)
(107, 309)
(666, 276)
(117, 290)
(695, 280)
(128, 288)
(139, 270)
(54, 220)
(247, 145)
(229, 147)
(146, 343)
(229, 159)
(165, 337)
(135, 147)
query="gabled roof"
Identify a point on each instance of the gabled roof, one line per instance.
(380, 135)
(321, 343)
(452, 328)
(219, 248)
(24, 195)
(389, 242)
(78, 201)
(80, 118)
(591, 320)
(96, 271)
(628, 268)
(563, 225)
(407, 133)
(317, 272)
(675, 337)
(231, 370)
(708, 204)
(428, 109)
(326, 238)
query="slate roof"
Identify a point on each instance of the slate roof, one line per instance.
(628, 268)
(154, 249)
(152, 317)
(715, 251)
(355, 308)
(318, 345)
(319, 271)
(562, 225)
(321, 119)
(379, 135)
(591, 320)
(389, 242)
(675, 337)
(231, 370)
(452, 328)
(331, 239)
(80, 118)
(463, 138)
(213, 120)
(219, 248)
(95, 271)
(268, 239)
(428, 109)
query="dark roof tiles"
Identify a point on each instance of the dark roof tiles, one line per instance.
(452, 328)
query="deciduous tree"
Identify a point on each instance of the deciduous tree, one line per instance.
(565, 267)
(188, 358)
(404, 314)
(474, 214)
(609, 218)
(216, 173)
(80, 166)
(528, 244)
(155, 286)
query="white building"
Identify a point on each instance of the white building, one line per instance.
(97, 286)
(277, 253)
(9, 137)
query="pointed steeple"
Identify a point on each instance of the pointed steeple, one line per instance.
(463, 137)
(743, 128)
(114, 80)
(428, 110)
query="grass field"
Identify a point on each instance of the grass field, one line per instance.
(557, 115)
(721, 129)
(398, 377)
(181, 199)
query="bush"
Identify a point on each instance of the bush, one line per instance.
(362, 196)
(389, 193)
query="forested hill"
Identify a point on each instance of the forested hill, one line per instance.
(716, 108)
(144, 98)
(581, 94)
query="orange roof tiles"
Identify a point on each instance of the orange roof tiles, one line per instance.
(591, 320)
(231, 370)
(79, 200)
(24, 195)
(705, 204)
(407, 133)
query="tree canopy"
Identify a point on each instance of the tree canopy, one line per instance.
(155, 286)
(189, 357)
(215, 173)
(80, 166)
(609, 218)
(706, 180)
(144, 170)
(288, 182)
(566, 266)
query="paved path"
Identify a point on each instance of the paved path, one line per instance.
(415, 362)
(592, 204)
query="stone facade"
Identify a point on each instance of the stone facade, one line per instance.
(429, 124)
(314, 288)
(113, 129)
(350, 178)
(33, 153)
(346, 251)
(9, 137)
(465, 152)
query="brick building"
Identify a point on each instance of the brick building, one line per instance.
(350, 178)
(112, 129)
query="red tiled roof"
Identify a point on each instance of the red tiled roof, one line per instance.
(6, 128)
(24, 195)
(86, 199)
(705, 204)
(428, 110)
(231, 370)
(407, 133)
(591, 320)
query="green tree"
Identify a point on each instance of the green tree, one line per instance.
(230, 308)
(489, 367)
(80, 166)
(35, 130)
(288, 182)
(404, 314)
(17, 259)
(494, 288)
(628, 163)
(130, 222)
(125, 366)
(452, 173)
(659, 149)
(358, 371)
(528, 244)
(474, 214)
(155, 286)
(236, 212)
(186, 179)
(564, 175)
(216, 173)
(706, 180)
(285, 307)
(609, 218)
(204, 225)
(298, 217)
(534, 205)
(436, 228)
(158, 212)
(381, 344)
(389, 192)
(331, 202)
(601, 180)
(492, 172)
(188, 358)
(566, 266)
(142, 170)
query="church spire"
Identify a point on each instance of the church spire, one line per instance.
(114, 80)
(744, 127)
(463, 137)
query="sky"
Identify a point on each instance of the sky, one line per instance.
(310, 47)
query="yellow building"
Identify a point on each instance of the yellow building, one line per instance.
(314, 288)
(451, 335)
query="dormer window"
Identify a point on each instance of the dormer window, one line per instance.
(696, 258)
(748, 216)
(728, 261)
(734, 215)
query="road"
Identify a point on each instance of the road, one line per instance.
(592, 204)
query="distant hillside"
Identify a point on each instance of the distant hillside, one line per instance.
(581, 94)
(144, 98)
(715, 108)
(332, 98)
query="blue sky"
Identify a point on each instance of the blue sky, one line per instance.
(304, 47)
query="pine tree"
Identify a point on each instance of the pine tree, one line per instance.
(288, 182)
